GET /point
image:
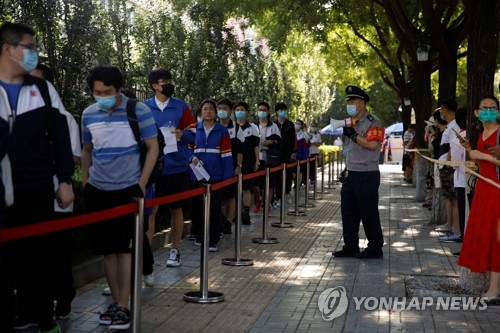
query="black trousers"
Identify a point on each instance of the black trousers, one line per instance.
(147, 254)
(197, 210)
(28, 265)
(359, 203)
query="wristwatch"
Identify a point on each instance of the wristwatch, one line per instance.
(238, 165)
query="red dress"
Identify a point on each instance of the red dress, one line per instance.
(480, 250)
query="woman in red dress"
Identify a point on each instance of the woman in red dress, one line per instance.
(481, 247)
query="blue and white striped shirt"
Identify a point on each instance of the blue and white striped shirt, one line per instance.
(115, 153)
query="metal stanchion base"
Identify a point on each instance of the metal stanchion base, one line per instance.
(237, 262)
(307, 206)
(317, 198)
(265, 240)
(282, 225)
(197, 297)
(323, 192)
(297, 213)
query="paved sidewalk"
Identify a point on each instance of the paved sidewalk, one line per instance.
(280, 292)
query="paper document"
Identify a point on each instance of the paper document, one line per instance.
(170, 139)
(199, 171)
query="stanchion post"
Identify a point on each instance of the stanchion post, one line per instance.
(265, 239)
(329, 168)
(323, 175)
(339, 165)
(306, 197)
(204, 296)
(282, 223)
(297, 212)
(237, 261)
(135, 309)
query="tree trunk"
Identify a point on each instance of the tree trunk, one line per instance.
(421, 99)
(484, 23)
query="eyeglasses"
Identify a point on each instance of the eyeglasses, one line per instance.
(494, 108)
(31, 47)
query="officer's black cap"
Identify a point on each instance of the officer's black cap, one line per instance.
(353, 92)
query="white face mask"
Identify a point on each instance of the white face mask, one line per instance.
(314, 129)
(222, 114)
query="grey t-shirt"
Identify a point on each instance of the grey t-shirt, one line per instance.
(358, 157)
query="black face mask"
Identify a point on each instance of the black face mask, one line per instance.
(167, 89)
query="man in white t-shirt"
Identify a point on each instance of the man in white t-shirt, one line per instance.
(447, 112)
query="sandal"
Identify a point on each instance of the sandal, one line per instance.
(107, 317)
(121, 321)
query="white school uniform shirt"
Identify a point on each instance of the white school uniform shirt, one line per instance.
(457, 153)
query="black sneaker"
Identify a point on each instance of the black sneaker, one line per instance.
(226, 228)
(456, 254)
(245, 218)
(370, 255)
(344, 254)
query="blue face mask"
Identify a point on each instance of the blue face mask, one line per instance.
(222, 114)
(488, 115)
(297, 127)
(30, 60)
(262, 114)
(282, 114)
(105, 103)
(351, 110)
(240, 114)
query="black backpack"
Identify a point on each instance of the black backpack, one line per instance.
(134, 124)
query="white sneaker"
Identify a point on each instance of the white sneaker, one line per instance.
(106, 291)
(174, 259)
(212, 247)
(149, 280)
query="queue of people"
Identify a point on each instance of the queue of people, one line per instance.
(480, 233)
(116, 167)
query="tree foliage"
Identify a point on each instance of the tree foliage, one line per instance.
(301, 52)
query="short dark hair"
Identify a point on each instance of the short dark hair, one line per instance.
(280, 106)
(437, 117)
(243, 104)
(450, 105)
(157, 74)
(209, 101)
(264, 104)
(12, 33)
(412, 126)
(47, 72)
(109, 75)
(226, 102)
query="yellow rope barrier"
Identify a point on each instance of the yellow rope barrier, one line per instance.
(469, 165)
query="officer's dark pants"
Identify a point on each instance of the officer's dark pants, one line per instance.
(359, 202)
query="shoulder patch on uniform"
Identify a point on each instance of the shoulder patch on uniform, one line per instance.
(370, 117)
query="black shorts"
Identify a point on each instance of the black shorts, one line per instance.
(173, 184)
(113, 235)
(230, 191)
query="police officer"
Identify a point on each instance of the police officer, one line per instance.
(359, 193)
